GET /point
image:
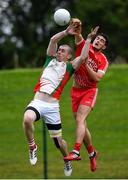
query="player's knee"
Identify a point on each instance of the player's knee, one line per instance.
(28, 119)
(57, 142)
(80, 122)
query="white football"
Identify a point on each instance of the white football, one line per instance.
(62, 17)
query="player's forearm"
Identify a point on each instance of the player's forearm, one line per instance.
(93, 75)
(85, 49)
(52, 47)
(78, 38)
(83, 56)
(57, 37)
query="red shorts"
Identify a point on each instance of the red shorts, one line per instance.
(83, 96)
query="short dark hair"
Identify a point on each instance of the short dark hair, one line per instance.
(105, 37)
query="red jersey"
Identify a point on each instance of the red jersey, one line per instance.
(96, 60)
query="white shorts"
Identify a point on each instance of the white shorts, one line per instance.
(50, 112)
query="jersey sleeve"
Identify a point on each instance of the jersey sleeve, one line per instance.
(103, 64)
(48, 59)
(70, 68)
(79, 48)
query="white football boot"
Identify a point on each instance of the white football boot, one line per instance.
(32, 156)
(67, 168)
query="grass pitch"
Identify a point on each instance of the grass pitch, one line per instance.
(108, 123)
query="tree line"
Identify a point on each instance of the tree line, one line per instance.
(27, 25)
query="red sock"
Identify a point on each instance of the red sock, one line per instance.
(77, 147)
(90, 149)
(32, 144)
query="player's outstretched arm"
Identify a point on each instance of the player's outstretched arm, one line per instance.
(84, 53)
(77, 27)
(52, 47)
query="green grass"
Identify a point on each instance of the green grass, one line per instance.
(108, 123)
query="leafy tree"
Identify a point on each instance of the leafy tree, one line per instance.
(31, 25)
(112, 17)
(27, 25)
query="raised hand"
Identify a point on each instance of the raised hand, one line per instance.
(74, 27)
(77, 25)
(93, 32)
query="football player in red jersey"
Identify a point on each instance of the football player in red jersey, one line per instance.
(84, 90)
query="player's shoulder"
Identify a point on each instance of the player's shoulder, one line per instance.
(69, 63)
(48, 60)
(70, 67)
(103, 57)
(50, 57)
(81, 43)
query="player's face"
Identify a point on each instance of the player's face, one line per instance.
(99, 43)
(62, 53)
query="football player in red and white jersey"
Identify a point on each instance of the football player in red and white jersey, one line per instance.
(84, 90)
